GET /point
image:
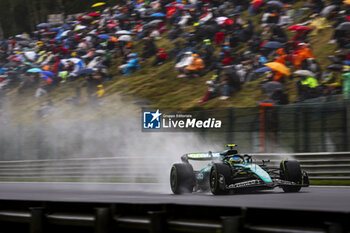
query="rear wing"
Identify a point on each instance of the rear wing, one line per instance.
(205, 156)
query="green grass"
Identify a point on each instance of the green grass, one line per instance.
(330, 182)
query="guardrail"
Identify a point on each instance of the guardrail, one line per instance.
(40, 217)
(320, 166)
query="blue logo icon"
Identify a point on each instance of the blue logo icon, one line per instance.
(152, 120)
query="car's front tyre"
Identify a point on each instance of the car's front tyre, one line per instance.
(220, 175)
(182, 179)
(290, 171)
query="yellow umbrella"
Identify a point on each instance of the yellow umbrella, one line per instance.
(279, 67)
(347, 2)
(98, 4)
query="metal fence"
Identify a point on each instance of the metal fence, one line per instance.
(320, 166)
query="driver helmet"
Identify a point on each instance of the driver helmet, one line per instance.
(236, 159)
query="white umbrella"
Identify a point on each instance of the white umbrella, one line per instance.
(327, 10)
(65, 33)
(79, 27)
(123, 32)
(30, 55)
(125, 38)
(220, 20)
(304, 73)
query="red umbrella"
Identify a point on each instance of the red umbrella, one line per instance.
(229, 22)
(94, 14)
(299, 28)
(112, 25)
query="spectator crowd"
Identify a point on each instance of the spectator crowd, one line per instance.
(208, 36)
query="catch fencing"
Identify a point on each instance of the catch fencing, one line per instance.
(307, 127)
(133, 169)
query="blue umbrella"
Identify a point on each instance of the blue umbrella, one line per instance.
(273, 45)
(43, 25)
(158, 15)
(86, 71)
(104, 36)
(55, 30)
(34, 70)
(263, 69)
(49, 73)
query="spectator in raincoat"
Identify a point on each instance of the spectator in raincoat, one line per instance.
(183, 63)
(131, 65)
(301, 54)
(196, 66)
(282, 56)
(161, 57)
(280, 59)
(307, 88)
(213, 89)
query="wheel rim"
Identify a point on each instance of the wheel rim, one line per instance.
(213, 180)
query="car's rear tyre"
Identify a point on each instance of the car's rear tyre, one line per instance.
(217, 171)
(291, 171)
(182, 178)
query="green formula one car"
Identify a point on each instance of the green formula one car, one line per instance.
(230, 172)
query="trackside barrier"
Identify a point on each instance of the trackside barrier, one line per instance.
(320, 166)
(162, 218)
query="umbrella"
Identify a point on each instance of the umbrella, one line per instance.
(304, 73)
(153, 22)
(126, 38)
(344, 26)
(272, 86)
(113, 39)
(94, 14)
(20, 37)
(263, 69)
(279, 67)
(327, 10)
(79, 27)
(55, 30)
(125, 32)
(158, 15)
(275, 3)
(30, 55)
(221, 20)
(298, 28)
(43, 25)
(335, 67)
(273, 45)
(34, 70)
(189, 6)
(104, 36)
(86, 71)
(98, 4)
(112, 25)
(347, 2)
(65, 33)
(49, 73)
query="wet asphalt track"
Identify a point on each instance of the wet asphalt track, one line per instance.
(312, 198)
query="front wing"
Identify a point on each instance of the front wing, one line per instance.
(259, 184)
